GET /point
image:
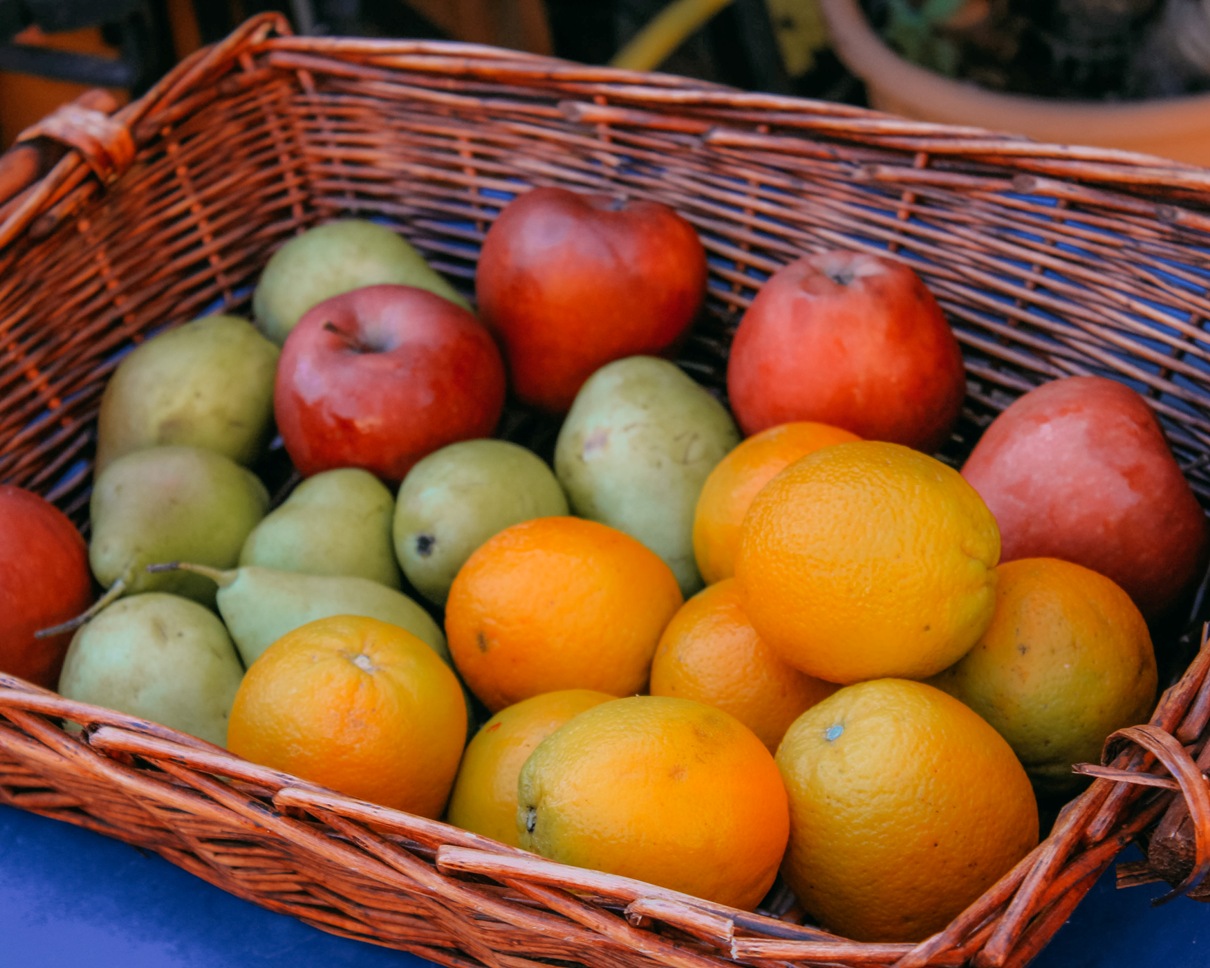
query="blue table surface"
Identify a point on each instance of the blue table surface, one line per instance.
(69, 897)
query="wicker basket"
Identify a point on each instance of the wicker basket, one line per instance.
(1049, 261)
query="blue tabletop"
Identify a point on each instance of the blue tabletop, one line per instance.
(69, 897)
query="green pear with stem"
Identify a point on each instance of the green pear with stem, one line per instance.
(333, 258)
(168, 503)
(260, 605)
(337, 522)
(208, 384)
(159, 657)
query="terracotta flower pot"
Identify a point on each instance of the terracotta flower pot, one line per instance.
(1176, 128)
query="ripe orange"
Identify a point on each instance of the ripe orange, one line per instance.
(1066, 660)
(484, 799)
(558, 603)
(905, 806)
(358, 705)
(711, 653)
(733, 483)
(670, 791)
(868, 559)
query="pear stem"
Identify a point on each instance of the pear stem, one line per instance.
(216, 575)
(111, 594)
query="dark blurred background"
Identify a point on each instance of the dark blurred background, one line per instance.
(1155, 51)
(50, 50)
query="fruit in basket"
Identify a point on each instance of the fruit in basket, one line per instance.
(670, 791)
(208, 384)
(1067, 660)
(571, 280)
(160, 657)
(44, 581)
(851, 339)
(335, 523)
(558, 603)
(484, 798)
(710, 652)
(457, 497)
(905, 806)
(357, 705)
(171, 503)
(1079, 468)
(868, 559)
(260, 605)
(381, 376)
(337, 257)
(733, 483)
(635, 449)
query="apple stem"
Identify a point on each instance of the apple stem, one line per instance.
(216, 575)
(351, 341)
(111, 594)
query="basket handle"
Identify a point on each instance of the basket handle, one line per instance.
(83, 124)
(1186, 776)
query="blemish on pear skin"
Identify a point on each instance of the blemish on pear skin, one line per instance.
(596, 441)
(531, 818)
(425, 544)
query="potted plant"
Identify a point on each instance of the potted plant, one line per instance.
(912, 64)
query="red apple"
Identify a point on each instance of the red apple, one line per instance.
(1079, 468)
(571, 281)
(849, 339)
(44, 581)
(383, 375)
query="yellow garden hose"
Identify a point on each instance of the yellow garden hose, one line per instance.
(665, 32)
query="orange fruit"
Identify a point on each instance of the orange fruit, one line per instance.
(733, 483)
(905, 806)
(710, 652)
(669, 791)
(1066, 660)
(558, 603)
(868, 559)
(357, 705)
(484, 798)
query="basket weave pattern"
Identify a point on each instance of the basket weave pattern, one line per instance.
(1048, 261)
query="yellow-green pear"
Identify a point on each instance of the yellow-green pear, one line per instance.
(635, 449)
(336, 522)
(208, 384)
(260, 605)
(171, 503)
(159, 657)
(457, 497)
(335, 257)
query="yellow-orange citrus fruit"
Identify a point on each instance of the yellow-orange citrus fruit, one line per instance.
(710, 652)
(1066, 660)
(358, 705)
(484, 799)
(669, 791)
(867, 560)
(905, 806)
(558, 603)
(733, 483)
